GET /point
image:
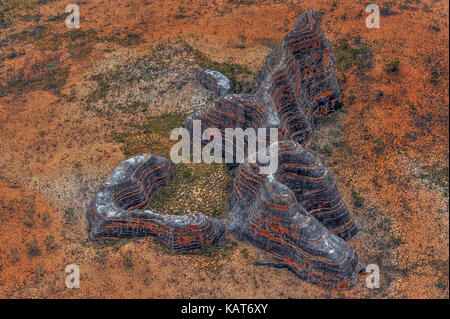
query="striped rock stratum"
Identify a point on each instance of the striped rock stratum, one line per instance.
(296, 214)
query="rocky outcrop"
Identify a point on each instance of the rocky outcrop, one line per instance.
(215, 81)
(296, 214)
(312, 184)
(118, 209)
(297, 83)
(275, 222)
(269, 212)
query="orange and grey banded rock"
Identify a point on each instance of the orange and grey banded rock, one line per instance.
(296, 214)
(264, 212)
(313, 185)
(118, 209)
(215, 81)
(277, 223)
(298, 82)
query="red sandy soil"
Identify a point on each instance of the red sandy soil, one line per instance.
(392, 154)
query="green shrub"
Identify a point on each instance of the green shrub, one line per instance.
(393, 66)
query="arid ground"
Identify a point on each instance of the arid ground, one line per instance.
(74, 103)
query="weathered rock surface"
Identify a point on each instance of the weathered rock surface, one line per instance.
(266, 211)
(296, 214)
(118, 209)
(215, 81)
(297, 83)
(274, 221)
(312, 184)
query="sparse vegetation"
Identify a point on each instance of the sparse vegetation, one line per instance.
(393, 66)
(394, 242)
(334, 6)
(46, 219)
(51, 79)
(242, 39)
(33, 249)
(50, 242)
(242, 2)
(130, 39)
(327, 150)
(438, 174)
(128, 259)
(435, 73)
(358, 200)
(234, 72)
(244, 252)
(218, 254)
(13, 10)
(14, 255)
(135, 106)
(351, 96)
(101, 91)
(386, 8)
(201, 188)
(354, 56)
(152, 136)
(336, 133)
(29, 217)
(69, 215)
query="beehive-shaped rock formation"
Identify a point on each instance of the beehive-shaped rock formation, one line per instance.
(118, 209)
(312, 184)
(297, 83)
(296, 214)
(275, 222)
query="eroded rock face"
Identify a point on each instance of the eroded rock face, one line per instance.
(215, 81)
(296, 214)
(311, 183)
(118, 209)
(269, 212)
(274, 221)
(297, 83)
